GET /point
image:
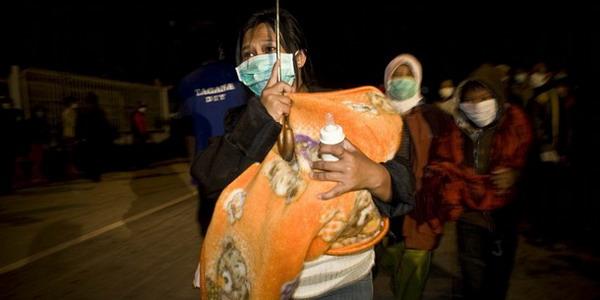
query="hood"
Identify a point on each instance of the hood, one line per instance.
(489, 77)
(417, 71)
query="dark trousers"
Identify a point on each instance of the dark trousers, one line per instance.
(486, 258)
(550, 202)
(92, 158)
(7, 170)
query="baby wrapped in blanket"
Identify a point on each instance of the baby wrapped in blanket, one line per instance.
(269, 222)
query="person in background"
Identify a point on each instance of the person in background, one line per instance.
(139, 131)
(411, 256)
(38, 130)
(520, 90)
(447, 102)
(11, 120)
(95, 136)
(69, 119)
(504, 71)
(552, 113)
(208, 93)
(472, 178)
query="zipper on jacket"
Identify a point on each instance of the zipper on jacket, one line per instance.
(476, 153)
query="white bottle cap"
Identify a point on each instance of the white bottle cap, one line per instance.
(331, 133)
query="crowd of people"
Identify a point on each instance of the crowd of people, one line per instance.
(494, 149)
(490, 150)
(35, 151)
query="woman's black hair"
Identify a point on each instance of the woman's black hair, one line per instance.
(292, 38)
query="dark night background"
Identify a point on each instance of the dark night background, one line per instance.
(349, 44)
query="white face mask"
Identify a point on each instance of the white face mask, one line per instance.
(561, 75)
(537, 79)
(521, 77)
(142, 109)
(482, 113)
(446, 92)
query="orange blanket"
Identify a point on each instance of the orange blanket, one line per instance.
(269, 221)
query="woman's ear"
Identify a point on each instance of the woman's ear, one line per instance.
(300, 59)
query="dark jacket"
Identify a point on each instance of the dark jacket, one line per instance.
(93, 127)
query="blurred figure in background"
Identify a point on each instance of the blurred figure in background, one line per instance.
(567, 104)
(447, 102)
(520, 90)
(139, 131)
(38, 131)
(552, 114)
(69, 123)
(95, 136)
(504, 71)
(539, 77)
(208, 93)
(544, 97)
(11, 120)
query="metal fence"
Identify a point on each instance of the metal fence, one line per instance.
(33, 88)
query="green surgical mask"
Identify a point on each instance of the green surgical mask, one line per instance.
(402, 88)
(256, 71)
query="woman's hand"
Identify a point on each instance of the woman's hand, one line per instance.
(274, 96)
(353, 171)
(504, 179)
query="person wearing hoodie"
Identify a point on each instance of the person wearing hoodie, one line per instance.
(411, 258)
(520, 90)
(447, 100)
(473, 180)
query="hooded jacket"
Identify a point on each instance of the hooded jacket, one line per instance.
(478, 140)
(459, 176)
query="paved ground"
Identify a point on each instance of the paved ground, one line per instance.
(134, 236)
